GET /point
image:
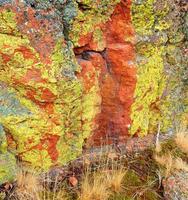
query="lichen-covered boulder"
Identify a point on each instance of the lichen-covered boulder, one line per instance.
(46, 113)
(76, 73)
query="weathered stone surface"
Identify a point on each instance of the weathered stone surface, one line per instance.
(176, 186)
(44, 107)
(87, 72)
(160, 61)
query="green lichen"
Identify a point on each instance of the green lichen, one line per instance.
(158, 90)
(70, 92)
(3, 141)
(99, 39)
(37, 159)
(161, 12)
(80, 109)
(7, 23)
(74, 108)
(25, 127)
(7, 167)
(17, 60)
(150, 16)
(143, 17)
(146, 110)
(87, 19)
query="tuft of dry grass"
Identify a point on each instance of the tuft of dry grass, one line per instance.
(180, 164)
(166, 161)
(115, 179)
(57, 195)
(171, 163)
(158, 148)
(181, 139)
(29, 188)
(169, 160)
(94, 188)
(101, 184)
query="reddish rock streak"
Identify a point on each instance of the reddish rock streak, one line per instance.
(117, 74)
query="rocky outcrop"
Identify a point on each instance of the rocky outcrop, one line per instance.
(84, 73)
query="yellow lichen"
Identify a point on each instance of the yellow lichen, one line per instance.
(86, 21)
(150, 85)
(143, 17)
(7, 23)
(153, 101)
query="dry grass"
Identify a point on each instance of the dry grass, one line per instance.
(181, 139)
(158, 148)
(180, 164)
(115, 179)
(57, 195)
(29, 188)
(171, 163)
(166, 161)
(94, 188)
(102, 184)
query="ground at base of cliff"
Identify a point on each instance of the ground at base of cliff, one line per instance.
(155, 173)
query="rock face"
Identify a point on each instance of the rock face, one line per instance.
(87, 72)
